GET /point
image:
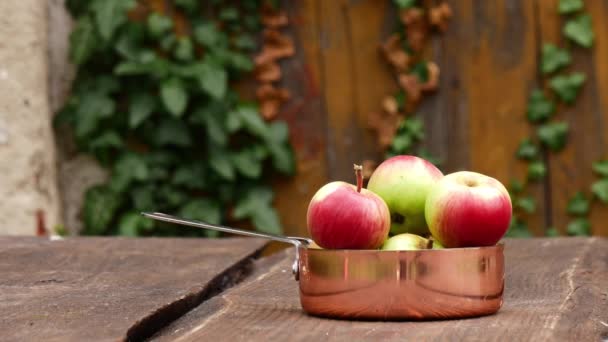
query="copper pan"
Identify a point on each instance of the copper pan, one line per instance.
(389, 285)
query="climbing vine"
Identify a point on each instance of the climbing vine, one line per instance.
(153, 103)
(552, 133)
(398, 130)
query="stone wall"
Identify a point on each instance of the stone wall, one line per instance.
(29, 196)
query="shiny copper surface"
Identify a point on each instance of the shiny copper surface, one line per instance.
(425, 284)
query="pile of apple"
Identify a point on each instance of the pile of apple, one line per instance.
(409, 199)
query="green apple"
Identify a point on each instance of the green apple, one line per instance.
(406, 242)
(403, 182)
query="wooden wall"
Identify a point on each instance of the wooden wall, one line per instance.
(489, 63)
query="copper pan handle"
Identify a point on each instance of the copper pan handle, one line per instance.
(296, 241)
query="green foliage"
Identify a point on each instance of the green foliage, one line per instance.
(579, 227)
(156, 110)
(536, 170)
(553, 135)
(409, 134)
(518, 229)
(578, 205)
(553, 58)
(570, 6)
(567, 86)
(580, 30)
(528, 150)
(527, 204)
(600, 190)
(403, 4)
(540, 108)
(601, 168)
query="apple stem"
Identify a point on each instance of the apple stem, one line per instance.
(359, 175)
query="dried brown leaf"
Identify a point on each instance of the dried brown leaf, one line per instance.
(433, 81)
(394, 53)
(440, 15)
(268, 72)
(411, 85)
(275, 46)
(390, 105)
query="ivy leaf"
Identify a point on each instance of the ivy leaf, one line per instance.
(158, 24)
(220, 163)
(131, 224)
(415, 128)
(110, 14)
(214, 124)
(174, 96)
(202, 209)
(552, 232)
(527, 204)
(93, 107)
(283, 158)
(540, 108)
(401, 143)
(403, 4)
(527, 150)
(213, 80)
(567, 86)
(516, 186)
(128, 44)
(247, 163)
(245, 42)
(553, 135)
(579, 227)
(600, 190)
(143, 197)
(601, 168)
(252, 121)
(173, 132)
(190, 176)
(229, 14)
(580, 30)
(106, 140)
(83, 41)
(100, 205)
(185, 50)
(207, 34)
(570, 6)
(141, 106)
(553, 58)
(536, 170)
(518, 229)
(129, 167)
(190, 6)
(241, 62)
(256, 204)
(578, 205)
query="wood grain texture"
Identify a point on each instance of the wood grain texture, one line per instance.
(479, 115)
(305, 116)
(570, 170)
(89, 289)
(555, 289)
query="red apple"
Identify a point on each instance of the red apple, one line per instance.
(468, 209)
(403, 182)
(344, 216)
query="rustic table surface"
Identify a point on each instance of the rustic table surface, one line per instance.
(89, 289)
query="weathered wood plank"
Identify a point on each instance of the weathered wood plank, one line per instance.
(488, 65)
(556, 289)
(570, 170)
(599, 211)
(87, 289)
(305, 116)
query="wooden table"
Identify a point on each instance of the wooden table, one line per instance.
(89, 289)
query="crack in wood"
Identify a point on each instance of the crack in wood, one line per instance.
(163, 316)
